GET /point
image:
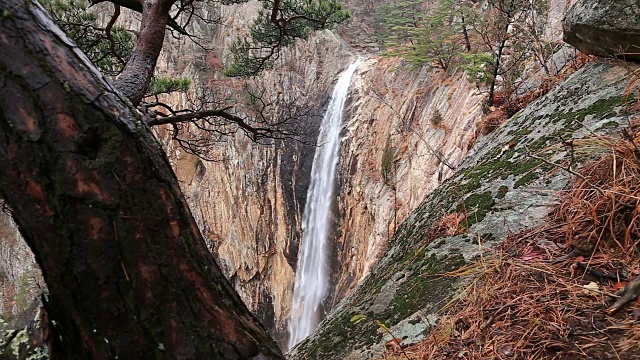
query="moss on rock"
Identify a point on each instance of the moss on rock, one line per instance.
(403, 283)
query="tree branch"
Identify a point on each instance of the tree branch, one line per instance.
(136, 76)
(204, 114)
(136, 5)
(107, 31)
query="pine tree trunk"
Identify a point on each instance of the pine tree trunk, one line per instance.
(95, 198)
(136, 76)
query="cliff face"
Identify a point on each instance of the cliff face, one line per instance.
(497, 191)
(249, 204)
(406, 131)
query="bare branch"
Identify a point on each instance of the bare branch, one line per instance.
(223, 113)
(107, 31)
(136, 5)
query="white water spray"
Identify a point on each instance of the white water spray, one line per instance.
(312, 277)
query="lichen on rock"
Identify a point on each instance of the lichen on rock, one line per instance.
(502, 190)
(604, 27)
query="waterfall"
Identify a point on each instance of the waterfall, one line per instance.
(312, 278)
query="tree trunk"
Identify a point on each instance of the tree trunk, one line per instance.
(467, 41)
(136, 76)
(128, 272)
(495, 72)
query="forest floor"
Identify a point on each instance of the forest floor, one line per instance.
(566, 290)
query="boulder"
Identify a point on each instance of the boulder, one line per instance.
(604, 27)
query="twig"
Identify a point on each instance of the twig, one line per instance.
(567, 169)
(629, 294)
(599, 274)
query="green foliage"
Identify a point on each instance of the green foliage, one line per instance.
(392, 21)
(387, 168)
(295, 20)
(80, 23)
(162, 85)
(424, 34)
(478, 67)
(511, 31)
(491, 42)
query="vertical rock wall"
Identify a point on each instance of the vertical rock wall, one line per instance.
(249, 203)
(407, 131)
(401, 125)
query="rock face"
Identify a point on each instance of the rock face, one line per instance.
(604, 27)
(249, 204)
(19, 277)
(496, 191)
(406, 132)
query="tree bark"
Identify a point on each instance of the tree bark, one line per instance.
(495, 72)
(136, 76)
(467, 41)
(128, 272)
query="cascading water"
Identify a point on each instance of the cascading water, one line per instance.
(312, 277)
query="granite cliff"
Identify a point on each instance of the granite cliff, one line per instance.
(407, 131)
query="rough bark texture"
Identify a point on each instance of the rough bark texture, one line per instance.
(134, 80)
(127, 269)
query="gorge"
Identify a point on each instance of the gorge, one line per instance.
(428, 179)
(312, 276)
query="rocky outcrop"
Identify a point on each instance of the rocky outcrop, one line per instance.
(498, 190)
(406, 132)
(604, 28)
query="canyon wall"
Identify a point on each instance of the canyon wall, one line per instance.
(249, 204)
(406, 132)
(498, 190)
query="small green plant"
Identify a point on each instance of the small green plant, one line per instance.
(387, 166)
(356, 319)
(162, 85)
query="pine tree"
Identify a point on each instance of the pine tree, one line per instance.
(426, 33)
(505, 38)
(280, 23)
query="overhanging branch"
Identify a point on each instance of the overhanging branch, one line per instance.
(136, 5)
(223, 113)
